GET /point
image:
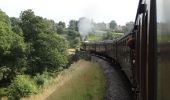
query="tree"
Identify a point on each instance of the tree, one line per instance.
(13, 50)
(72, 36)
(113, 24)
(60, 27)
(128, 27)
(100, 26)
(108, 36)
(77, 42)
(73, 25)
(15, 23)
(28, 25)
(61, 24)
(50, 53)
(50, 26)
(39, 49)
(47, 49)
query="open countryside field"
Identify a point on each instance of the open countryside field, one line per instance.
(84, 80)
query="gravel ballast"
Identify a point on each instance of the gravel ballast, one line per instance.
(118, 87)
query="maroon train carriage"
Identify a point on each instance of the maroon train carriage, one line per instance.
(147, 63)
(125, 56)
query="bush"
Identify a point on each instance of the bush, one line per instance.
(22, 86)
(3, 92)
(40, 80)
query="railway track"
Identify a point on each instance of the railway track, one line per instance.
(117, 83)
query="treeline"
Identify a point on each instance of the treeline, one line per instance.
(31, 49)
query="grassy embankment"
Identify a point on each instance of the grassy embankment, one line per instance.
(82, 81)
(99, 36)
(95, 37)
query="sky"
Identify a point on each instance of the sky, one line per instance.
(121, 11)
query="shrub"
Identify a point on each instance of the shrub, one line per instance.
(3, 92)
(40, 80)
(22, 86)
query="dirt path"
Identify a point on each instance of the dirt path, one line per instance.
(117, 88)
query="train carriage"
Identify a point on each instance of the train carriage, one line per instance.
(147, 64)
(124, 56)
(111, 49)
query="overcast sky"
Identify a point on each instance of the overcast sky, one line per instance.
(121, 11)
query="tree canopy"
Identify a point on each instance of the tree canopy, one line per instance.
(113, 24)
(29, 44)
(12, 50)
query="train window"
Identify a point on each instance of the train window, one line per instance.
(163, 50)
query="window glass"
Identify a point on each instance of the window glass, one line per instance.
(163, 40)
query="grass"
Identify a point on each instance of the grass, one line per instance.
(95, 37)
(99, 37)
(82, 81)
(3, 93)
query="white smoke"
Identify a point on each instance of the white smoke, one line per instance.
(85, 26)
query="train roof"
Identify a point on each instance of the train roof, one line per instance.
(125, 36)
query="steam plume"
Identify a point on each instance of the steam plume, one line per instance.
(85, 27)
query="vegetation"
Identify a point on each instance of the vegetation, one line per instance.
(34, 49)
(85, 81)
(113, 24)
(103, 31)
(109, 35)
(29, 47)
(112, 35)
(13, 51)
(22, 86)
(94, 37)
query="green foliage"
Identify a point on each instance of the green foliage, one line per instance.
(112, 35)
(22, 86)
(62, 24)
(3, 92)
(113, 24)
(41, 80)
(74, 38)
(50, 53)
(87, 83)
(128, 27)
(49, 26)
(47, 49)
(30, 45)
(117, 35)
(33, 25)
(4, 18)
(77, 42)
(15, 23)
(12, 50)
(61, 27)
(94, 37)
(108, 36)
(73, 25)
